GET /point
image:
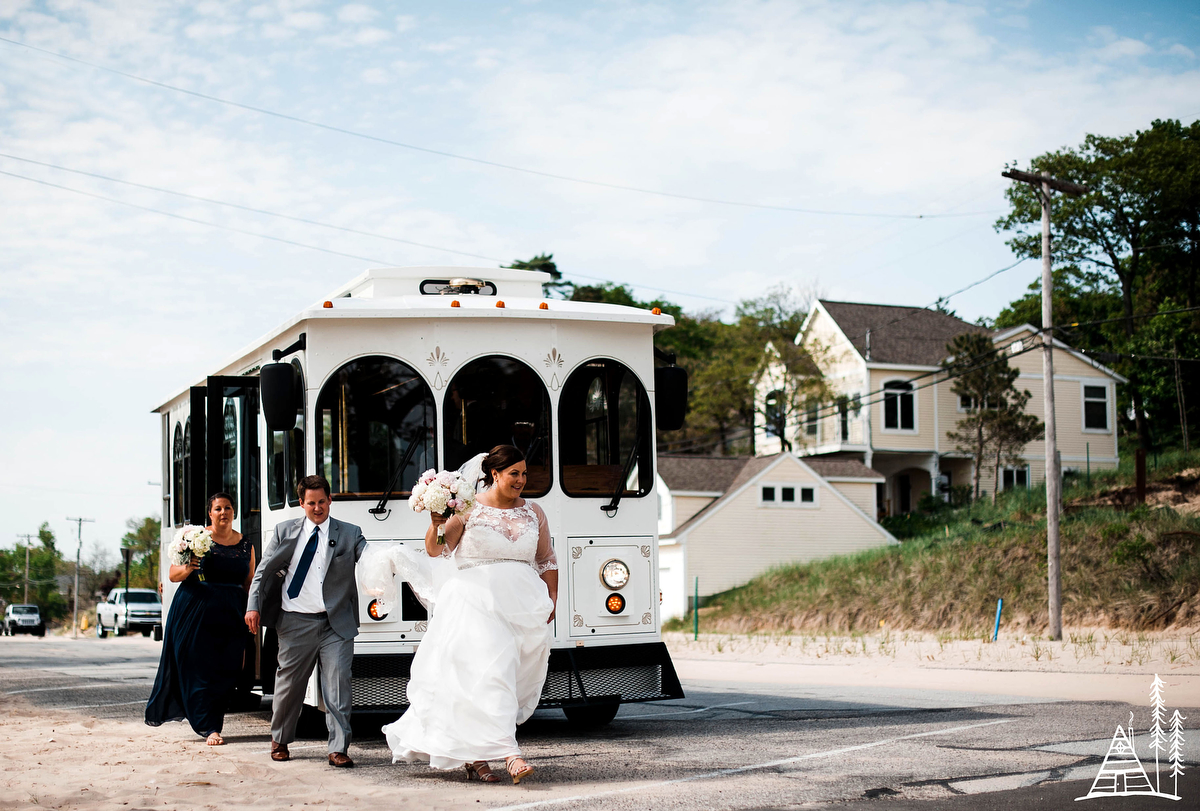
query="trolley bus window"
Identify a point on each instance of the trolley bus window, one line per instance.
(229, 450)
(186, 492)
(367, 414)
(177, 468)
(285, 462)
(604, 414)
(500, 401)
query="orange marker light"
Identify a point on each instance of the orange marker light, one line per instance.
(455, 303)
(375, 611)
(656, 311)
(615, 603)
(328, 305)
(500, 304)
(543, 306)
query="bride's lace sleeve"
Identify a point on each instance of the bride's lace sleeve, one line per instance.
(544, 560)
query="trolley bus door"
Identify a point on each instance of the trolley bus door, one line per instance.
(232, 466)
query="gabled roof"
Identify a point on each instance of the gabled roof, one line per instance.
(902, 335)
(835, 468)
(699, 474)
(759, 465)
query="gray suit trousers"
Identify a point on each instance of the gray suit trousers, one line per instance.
(306, 640)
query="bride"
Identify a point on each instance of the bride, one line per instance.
(479, 670)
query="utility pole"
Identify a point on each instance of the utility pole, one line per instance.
(28, 540)
(1042, 184)
(79, 522)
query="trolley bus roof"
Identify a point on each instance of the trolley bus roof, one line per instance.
(397, 293)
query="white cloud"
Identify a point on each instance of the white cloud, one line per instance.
(356, 13)
(1181, 50)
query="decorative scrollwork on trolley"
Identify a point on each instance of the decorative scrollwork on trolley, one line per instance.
(645, 551)
(576, 551)
(553, 360)
(437, 357)
(577, 621)
(646, 618)
(421, 627)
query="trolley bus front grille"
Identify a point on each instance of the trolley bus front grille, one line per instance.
(612, 673)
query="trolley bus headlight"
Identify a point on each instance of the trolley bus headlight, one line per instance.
(376, 610)
(614, 574)
(615, 603)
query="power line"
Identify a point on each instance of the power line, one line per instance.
(1126, 318)
(250, 209)
(483, 161)
(304, 220)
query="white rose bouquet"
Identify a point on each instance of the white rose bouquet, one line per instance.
(190, 540)
(446, 493)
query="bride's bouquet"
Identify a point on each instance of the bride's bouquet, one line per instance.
(446, 493)
(190, 540)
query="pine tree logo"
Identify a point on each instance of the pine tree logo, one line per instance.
(1122, 773)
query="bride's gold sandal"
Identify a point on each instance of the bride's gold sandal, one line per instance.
(481, 771)
(518, 768)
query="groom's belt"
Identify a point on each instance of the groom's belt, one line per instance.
(316, 615)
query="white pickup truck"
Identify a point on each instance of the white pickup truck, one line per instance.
(132, 610)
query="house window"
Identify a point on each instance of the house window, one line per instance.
(812, 417)
(844, 417)
(1095, 408)
(1015, 477)
(899, 413)
(966, 402)
(777, 494)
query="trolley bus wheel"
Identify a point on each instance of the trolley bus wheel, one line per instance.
(591, 716)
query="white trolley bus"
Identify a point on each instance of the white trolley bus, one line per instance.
(407, 369)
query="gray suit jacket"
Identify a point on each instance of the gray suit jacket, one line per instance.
(340, 589)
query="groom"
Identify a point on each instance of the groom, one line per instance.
(305, 589)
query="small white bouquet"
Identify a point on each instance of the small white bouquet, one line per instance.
(190, 540)
(446, 493)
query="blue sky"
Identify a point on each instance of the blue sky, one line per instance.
(864, 108)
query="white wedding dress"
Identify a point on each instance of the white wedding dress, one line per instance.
(480, 667)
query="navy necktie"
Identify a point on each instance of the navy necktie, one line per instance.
(306, 559)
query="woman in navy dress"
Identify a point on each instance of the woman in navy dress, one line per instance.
(205, 643)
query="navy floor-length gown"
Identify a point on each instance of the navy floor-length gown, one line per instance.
(204, 643)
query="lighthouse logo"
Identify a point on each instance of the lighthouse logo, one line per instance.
(1122, 773)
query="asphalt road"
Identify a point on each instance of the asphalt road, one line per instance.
(727, 745)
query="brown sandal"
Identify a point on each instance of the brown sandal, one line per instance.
(518, 768)
(481, 771)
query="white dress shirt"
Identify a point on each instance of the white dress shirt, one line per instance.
(311, 599)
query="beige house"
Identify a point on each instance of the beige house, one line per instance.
(897, 406)
(726, 520)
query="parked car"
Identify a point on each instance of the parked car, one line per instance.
(23, 619)
(132, 610)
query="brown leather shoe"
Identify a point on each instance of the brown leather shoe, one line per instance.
(340, 760)
(279, 751)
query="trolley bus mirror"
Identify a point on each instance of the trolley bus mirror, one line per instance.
(670, 397)
(277, 386)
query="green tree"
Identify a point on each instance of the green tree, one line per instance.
(544, 262)
(981, 373)
(1008, 429)
(1136, 225)
(144, 538)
